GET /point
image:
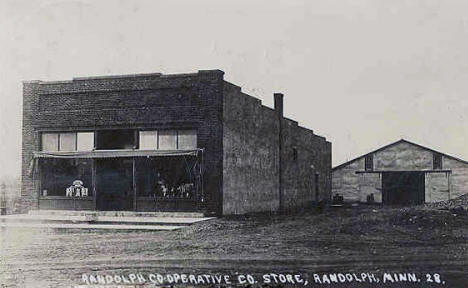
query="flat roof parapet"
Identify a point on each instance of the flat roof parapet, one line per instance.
(216, 72)
(141, 75)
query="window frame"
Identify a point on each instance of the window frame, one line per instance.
(41, 138)
(156, 139)
(89, 184)
(369, 162)
(294, 154)
(437, 156)
(176, 135)
(93, 137)
(59, 135)
(177, 141)
(60, 142)
(100, 145)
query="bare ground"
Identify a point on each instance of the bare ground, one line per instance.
(358, 239)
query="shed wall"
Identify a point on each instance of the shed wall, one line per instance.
(458, 178)
(346, 182)
(401, 157)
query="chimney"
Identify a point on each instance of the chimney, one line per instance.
(279, 103)
(279, 112)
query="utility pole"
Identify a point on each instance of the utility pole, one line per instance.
(3, 199)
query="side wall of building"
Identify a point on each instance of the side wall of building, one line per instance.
(400, 157)
(30, 142)
(346, 182)
(251, 181)
(305, 155)
(458, 177)
(251, 154)
(184, 101)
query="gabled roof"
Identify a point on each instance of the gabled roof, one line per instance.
(396, 143)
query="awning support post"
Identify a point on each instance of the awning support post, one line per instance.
(134, 185)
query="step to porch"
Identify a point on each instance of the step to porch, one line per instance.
(117, 220)
(102, 219)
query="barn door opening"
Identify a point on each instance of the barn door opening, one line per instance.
(403, 188)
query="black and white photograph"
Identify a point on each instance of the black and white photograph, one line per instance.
(234, 143)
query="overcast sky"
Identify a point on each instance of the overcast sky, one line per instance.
(361, 73)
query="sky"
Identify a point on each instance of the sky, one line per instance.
(361, 73)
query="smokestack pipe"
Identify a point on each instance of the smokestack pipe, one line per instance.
(278, 97)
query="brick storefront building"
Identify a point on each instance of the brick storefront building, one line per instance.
(153, 142)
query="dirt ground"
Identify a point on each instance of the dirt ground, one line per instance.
(349, 240)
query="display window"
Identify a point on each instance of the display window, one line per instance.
(66, 177)
(167, 178)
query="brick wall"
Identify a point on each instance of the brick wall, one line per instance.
(251, 181)
(30, 142)
(250, 164)
(313, 156)
(137, 102)
(240, 136)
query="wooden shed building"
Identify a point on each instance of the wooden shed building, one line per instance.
(401, 173)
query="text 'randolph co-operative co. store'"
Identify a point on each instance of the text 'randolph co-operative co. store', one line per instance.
(153, 142)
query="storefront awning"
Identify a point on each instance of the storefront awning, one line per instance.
(117, 153)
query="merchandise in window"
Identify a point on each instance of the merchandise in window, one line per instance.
(175, 177)
(66, 177)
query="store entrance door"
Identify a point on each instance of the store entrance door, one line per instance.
(114, 184)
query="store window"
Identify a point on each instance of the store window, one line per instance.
(67, 141)
(115, 139)
(50, 141)
(168, 139)
(85, 141)
(175, 177)
(187, 139)
(66, 177)
(148, 140)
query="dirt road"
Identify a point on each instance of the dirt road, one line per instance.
(347, 241)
